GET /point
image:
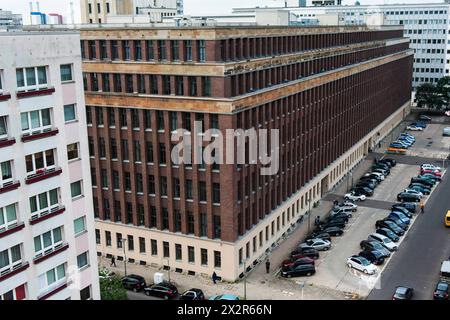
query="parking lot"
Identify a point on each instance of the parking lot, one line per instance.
(331, 268)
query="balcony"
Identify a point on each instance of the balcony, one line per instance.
(4, 96)
(34, 93)
(12, 228)
(43, 174)
(13, 270)
(7, 142)
(51, 252)
(52, 291)
(42, 216)
(8, 186)
(40, 135)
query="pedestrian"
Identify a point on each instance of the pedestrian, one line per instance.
(317, 220)
(422, 207)
(214, 277)
(113, 261)
(267, 266)
(335, 202)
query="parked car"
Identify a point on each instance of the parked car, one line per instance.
(298, 271)
(345, 205)
(382, 165)
(374, 245)
(363, 190)
(346, 210)
(441, 291)
(402, 210)
(385, 241)
(322, 235)
(424, 118)
(414, 128)
(432, 179)
(300, 252)
(133, 282)
(193, 294)
(403, 293)
(405, 140)
(420, 194)
(361, 264)
(446, 131)
(337, 219)
(408, 197)
(408, 135)
(344, 216)
(390, 161)
(432, 174)
(400, 216)
(391, 226)
(411, 207)
(426, 182)
(388, 233)
(374, 256)
(383, 172)
(365, 184)
(163, 289)
(398, 222)
(398, 145)
(338, 224)
(318, 244)
(419, 124)
(332, 231)
(355, 196)
(369, 180)
(419, 188)
(224, 297)
(429, 166)
(373, 175)
(297, 262)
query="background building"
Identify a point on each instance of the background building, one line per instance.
(8, 20)
(427, 26)
(142, 83)
(47, 242)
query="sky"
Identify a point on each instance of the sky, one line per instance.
(192, 7)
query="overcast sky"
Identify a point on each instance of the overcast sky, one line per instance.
(192, 7)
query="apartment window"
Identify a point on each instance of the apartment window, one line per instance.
(214, 121)
(114, 50)
(166, 249)
(101, 147)
(163, 186)
(108, 238)
(104, 177)
(217, 259)
(90, 7)
(137, 50)
(107, 7)
(35, 122)
(160, 120)
(202, 190)
(92, 49)
(105, 85)
(188, 50)
(69, 113)
(89, 115)
(162, 50)
(154, 247)
(129, 83)
(149, 151)
(76, 189)
(148, 119)
(103, 51)
(97, 236)
(30, 79)
(149, 44)
(130, 243)
(66, 72)
(123, 118)
(151, 184)
(113, 147)
(165, 219)
(48, 242)
(98, 8)
(85, 294)
(187, 121)
(137, 150)
(201, 50)
(8, 217)
(127, 182)
(153, 218)
(126, 49)
(141, 83)
(119, 240)
(139, 183)
(93, 177)
(203, 225)
(192, 81)
(189, 194)
(117, 211)
(191, 254)
(153, 84)
(178, 252)
(40, 162)
(141, 245)
(175, 50)
(72, 151)
(6, 176)
(216, 193)
(82, 260)
(99, 115)
(116, 182)
(79, 225)
(125, 155)
(206, 82)
(173, 121)
(217, 227)
(162, 153)
(190, 222)
(52, 277)
(179, 86)
(204, 256)
(3, 128)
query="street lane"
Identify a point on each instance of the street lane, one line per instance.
(426, 245)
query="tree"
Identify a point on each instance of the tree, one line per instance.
(443, 87)
(111, 288)
(429, 95)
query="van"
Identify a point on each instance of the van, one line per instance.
(447, 219)
(446, 132)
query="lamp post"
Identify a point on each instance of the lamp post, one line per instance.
(309, 212)
(245, 280)
(123, 240)
(168, 269)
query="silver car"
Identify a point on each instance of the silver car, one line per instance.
(317, 243)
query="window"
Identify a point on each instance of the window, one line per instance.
(5, 173)
(82, 260)
(90, 7)
(204, 256)
(190, 223)
(162, 154)
(69, 113)
(85, 294)
(216, 193)
(3, 128)
(113, 148)
(44, 203)
(192, 81)
(76, 189)
(48, 242)
(163, 186)
(137, 150)
(72, 151)
(114, 50)
(191, 254)
(99, 116)
(166, 250)
(101, 147)
(135, 118)
(105, 85)
(162, 50)
(175, 50)
(216, 227)
(188, 50)
(125, 155)
(97, 236)
(203, 225)
(130, 243)
(137, 50)
(103, 50)
(10, 259)
(160, 120)
(166, 85)
(108, 238)
(149, 151)
(149, 45)
(165, 219)
(141, 245)
(98, 8)
(127, 182)
(201, 50)
(30, 79)
(52, 277)
(189, 194)
(79, 225)
(179, 86)
(154, 247)
(126, 49)
(202, 190)
(153, 218)
(151, 184)
(123, 118)
(206, 82)
(104, 177)
(66, 72)
(129, 83)
(40, 162)
(139, 183)
(176, 188)
(35, 122)
(148, 119)
(217, 259)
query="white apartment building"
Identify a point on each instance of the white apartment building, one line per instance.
(47, 239)
(427, 26)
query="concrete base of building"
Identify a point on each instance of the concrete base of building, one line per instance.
(194, 255)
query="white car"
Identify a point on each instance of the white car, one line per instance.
(361, 264)
(384, 241)
(376, 174)
(414, 128)
(352, 196)
(428, 166)
(317, 243)
(420, 194)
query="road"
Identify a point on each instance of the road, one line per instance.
(140, 296)
(426, 245)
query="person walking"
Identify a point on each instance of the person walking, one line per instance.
(214, 277)
(317, 222)
(267, 266)
(422, 207)
(113, 261)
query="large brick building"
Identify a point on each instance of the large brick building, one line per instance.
(332, 91)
